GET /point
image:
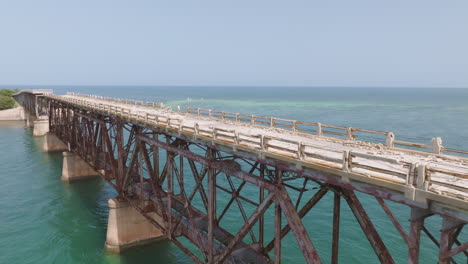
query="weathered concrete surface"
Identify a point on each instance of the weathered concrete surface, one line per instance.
(374, 163)
(41, 127)
(29, 120)
(74, 168)
(127, 228)
(53, 143)
(13, 114)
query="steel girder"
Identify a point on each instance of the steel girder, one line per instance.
(196, 189)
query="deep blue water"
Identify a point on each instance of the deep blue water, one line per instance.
(44, 221)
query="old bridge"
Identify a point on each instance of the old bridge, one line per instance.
(272, 171)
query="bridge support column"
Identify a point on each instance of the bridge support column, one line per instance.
(53, 143)
(75, 168)
(29, 120)
(41, 127)
(127, 228)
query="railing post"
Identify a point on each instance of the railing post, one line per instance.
(198, 111)
(178, 108)
(390, 140)
(300, 150)
(349, 133)
(437, 145)
(319, 129)
(210, 114)
(294, 125)
(346, 166)
(272, 122)
(421, 181)
(412, 174)
(237, 117)
(346, 161)
(263, 143)
(196, 128)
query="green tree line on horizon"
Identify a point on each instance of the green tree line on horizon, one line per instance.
(6, 99)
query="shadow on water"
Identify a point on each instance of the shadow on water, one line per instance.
(160, 252)
(12, 124)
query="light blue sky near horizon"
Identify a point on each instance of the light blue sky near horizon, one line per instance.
(371, 43)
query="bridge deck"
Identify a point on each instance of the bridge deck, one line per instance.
(420, 176)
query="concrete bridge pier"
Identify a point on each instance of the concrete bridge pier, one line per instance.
(53, 143)
(40, 127)
(29, 120)
(75, 168)
(128, 228)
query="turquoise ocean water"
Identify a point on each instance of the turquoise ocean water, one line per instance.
(44, 221)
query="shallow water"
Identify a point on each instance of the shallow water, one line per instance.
(45, 221)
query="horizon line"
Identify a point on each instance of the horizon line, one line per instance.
(5, 86)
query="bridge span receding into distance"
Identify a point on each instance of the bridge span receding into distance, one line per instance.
(144, 150)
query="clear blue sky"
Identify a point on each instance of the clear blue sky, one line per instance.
(407, 43)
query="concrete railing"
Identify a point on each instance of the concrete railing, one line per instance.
(318, 129)
(357, 165)
(120, 100)
(299, 127)
(36, 91)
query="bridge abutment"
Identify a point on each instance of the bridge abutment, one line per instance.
(53, 143)
(75, 168)
(128, 228)
(40, 127)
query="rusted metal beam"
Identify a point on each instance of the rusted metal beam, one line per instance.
(413, 239)
(303, 240)
(246, 227)
(304, 210)
(190, 155)
(121, 144)
(336, 228)
(277, 238)
(211, 209)
(367, 227)
(448, 234)
(261, 198)
(394, 221)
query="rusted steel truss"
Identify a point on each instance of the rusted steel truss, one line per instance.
(230, 208)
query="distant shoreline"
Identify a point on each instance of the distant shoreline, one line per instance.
(222, 86)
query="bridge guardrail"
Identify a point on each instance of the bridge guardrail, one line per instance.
(300, 127)
(120, 100)
(318, 129)
(412, 175)
(36, 91)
